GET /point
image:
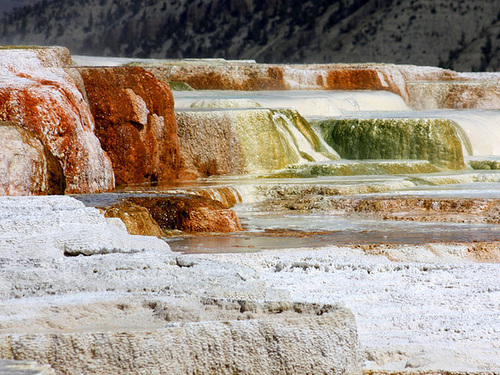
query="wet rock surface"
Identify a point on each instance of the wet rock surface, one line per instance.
(135, 122)
(355, 167)
(238, 141)
(460, 210)
(137, 219)
(429, 139)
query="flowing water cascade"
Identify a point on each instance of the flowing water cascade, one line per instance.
(385, 148)
(252, 140)
(380, 136)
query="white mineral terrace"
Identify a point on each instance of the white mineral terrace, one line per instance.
(305, 288)
(312, 103)
(430, 308)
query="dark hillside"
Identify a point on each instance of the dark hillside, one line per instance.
(463, 35)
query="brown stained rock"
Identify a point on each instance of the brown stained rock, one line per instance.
(209, 144)
(137, 219)
(354, 79)
(135, 122)
(418, 209)
(454, 95)
(40, 96)
(227, 196)
(190, 213)
(27, 167)
(252, 77)
(386, 78)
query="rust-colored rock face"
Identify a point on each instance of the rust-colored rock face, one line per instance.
(27, 167)
(190, 213)
(353, 79)
(40, 96)
(209, 144)
(135, 122)
(253, 76)
(454, 95)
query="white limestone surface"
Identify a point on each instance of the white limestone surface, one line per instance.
(433, 310)
(54, 226)
(122, 310)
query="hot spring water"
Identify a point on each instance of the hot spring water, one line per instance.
(385, 148)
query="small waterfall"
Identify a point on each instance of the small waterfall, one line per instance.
(435, 140)
(272, 139)
(254, 140)
(227, 195)
(482, 129)
(478, 130)
(299, 132)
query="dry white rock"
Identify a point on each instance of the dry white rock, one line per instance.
(54, 226)
(123, 310)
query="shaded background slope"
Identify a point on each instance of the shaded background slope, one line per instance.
(462, 35)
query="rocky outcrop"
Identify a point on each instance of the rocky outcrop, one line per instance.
(137, 219)
(40, 96)
(135, 122)
(58, 226)
(27, 167)
(237, 76)
(190, 213)
(254, 76)
(421, 87)
(436, 140)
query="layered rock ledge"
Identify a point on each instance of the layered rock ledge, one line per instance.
(131, 305)
(421, 87)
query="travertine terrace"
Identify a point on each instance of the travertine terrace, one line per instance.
(335, 250)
